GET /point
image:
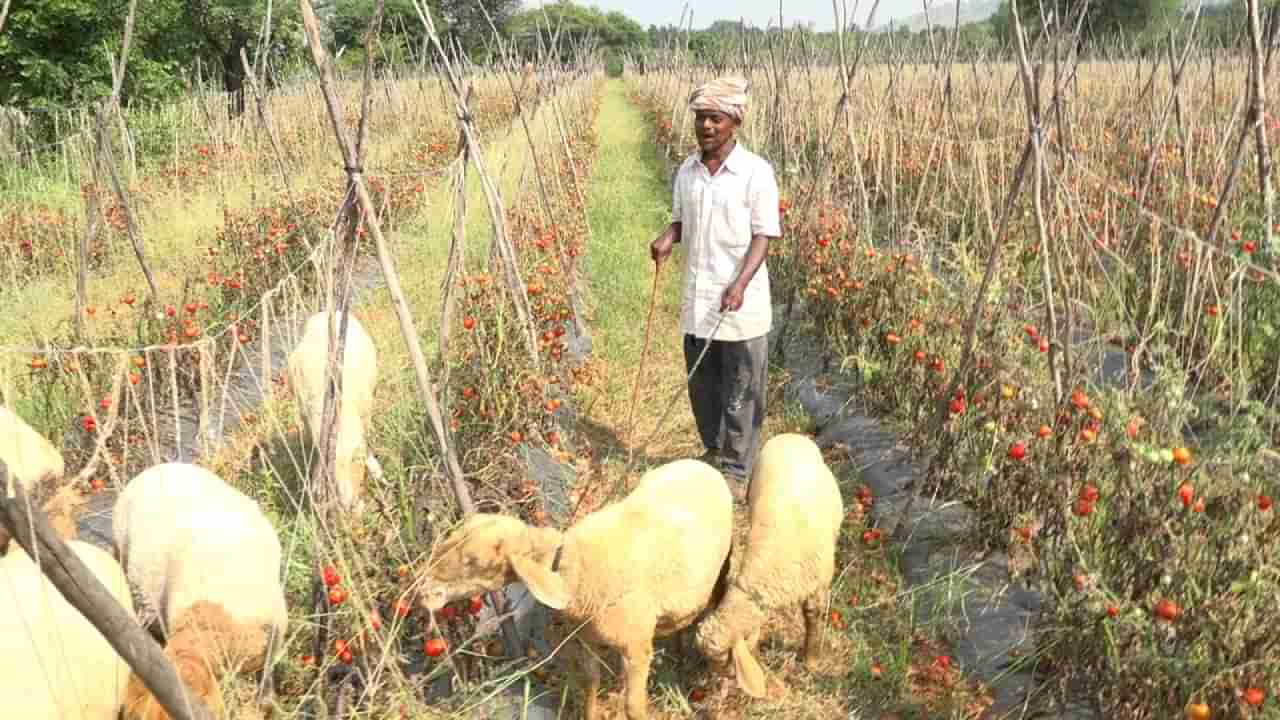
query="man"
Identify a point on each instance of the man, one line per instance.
(725, 210)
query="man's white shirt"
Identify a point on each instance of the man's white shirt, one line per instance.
(719, 215)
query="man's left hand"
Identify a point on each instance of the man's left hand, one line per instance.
(731, 301)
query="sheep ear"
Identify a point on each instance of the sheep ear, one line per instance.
(748, 671)
(547, 586)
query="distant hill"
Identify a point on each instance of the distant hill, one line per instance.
(971, 11)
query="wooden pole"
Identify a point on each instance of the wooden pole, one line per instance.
(86, 593)
(644, 353)
(426, 388)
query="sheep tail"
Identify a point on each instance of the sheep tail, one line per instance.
(194, 670)
(63, 510)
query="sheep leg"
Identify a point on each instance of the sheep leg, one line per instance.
(636, 660)
(812, 609)
(373, 467)
(267, 690)
(680, 642)
(588, 664)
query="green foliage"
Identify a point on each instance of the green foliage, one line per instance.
(463, 22)
(55, 53)
(402, 31)
(575, 23)
(1130, 17)
(351, 20)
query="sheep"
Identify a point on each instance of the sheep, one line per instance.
(643, 567)
(34, 462)
(307, 363)
(205, 562)
(795, 512)
(56, 665)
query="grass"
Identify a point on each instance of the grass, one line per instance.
(628, 205)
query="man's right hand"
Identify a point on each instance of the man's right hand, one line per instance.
(660, 248)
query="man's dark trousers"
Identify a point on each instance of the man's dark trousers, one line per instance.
(728, 397)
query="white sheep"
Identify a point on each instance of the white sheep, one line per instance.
(795, 512)
(642, 567)
(203, 559)
(307, 363)
(34, 462)
(56, 665)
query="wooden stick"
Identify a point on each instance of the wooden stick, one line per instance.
(648, 335)
(86, 593)
(1257, 112)
(426, 389)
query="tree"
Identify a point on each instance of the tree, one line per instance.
(1104, 18)
(614, 30)
(401, 27)
(462, 23)
(220, 30)
(54, 54)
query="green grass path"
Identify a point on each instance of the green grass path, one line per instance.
(628, 204)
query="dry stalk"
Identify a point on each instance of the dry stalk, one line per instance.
(938, 459)
(1258, 98)
(457, 250)
(574, 294)
(91, 199)
(502, 240)
(264, 118)
(1031, 93)
(131, 227)
(426, 390)
(92, 216)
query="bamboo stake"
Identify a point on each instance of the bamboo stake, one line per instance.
(1257, 114)
(644, 353)
(355, 174)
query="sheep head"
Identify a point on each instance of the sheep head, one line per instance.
(727, 649)
(487, 552)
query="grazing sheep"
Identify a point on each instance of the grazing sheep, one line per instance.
(33, 461)
(205, 561)
(642, 567)
(307, 365)
(795, 516)
(56, 665)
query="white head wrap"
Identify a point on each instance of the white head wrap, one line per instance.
(727, 95)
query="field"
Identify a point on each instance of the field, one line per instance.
(1070, 316)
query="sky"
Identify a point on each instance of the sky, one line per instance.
(755, 12)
